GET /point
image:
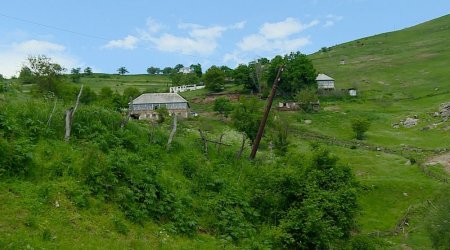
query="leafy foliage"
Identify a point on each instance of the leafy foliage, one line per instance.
(360, 125)
(223, 106)
(299, 73)
(214, 79)
(305, 98)
(247, 117)
(42, 71)
(122, 70)
(241, 75)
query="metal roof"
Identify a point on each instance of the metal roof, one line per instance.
(323, 77)
(159, 98)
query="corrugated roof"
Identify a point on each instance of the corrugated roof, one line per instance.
(159, 98)
(323, 77)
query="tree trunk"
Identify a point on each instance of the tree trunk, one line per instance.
(130, 109)
(220, 143)
(205, 142)
(51, 114)
(69, 116)
(172, 133)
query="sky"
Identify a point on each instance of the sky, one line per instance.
(137, 34)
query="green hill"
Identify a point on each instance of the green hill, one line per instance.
(118, 187)
(409, 63)
(398, 75)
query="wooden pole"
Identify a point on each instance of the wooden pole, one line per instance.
(266, 114)
(172, 133)
(69, 116)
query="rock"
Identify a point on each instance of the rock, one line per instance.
(410, 122)
(405, 194)
(444, 110)
(408, 163)
(446, 128)
(307, 122)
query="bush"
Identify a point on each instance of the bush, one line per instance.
(306, 98)
(223, 106)
(360, 125)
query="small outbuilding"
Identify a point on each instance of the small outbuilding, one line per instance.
(146, 105)
(186, 70)
(325, 82)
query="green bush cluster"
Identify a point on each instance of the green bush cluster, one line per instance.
(293, 202)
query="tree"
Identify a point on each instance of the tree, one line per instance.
(214, 79)
(299, 73)
(179, 79)
(280, 136)
(88, 95)
(223, 106)
(87, 71)
(247, 116)
(197, 68)
(122, 71)
(177, 68)
(321, 205)
(258, 73)
(305, 98)
(131, 92)
(46, 74)
(75, 74)
(167, 71)
(228, 72)
(153, 70)
(241, 75)
(360, 125)
(163, 113)
(25, 75)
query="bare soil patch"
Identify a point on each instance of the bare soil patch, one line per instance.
(443, 159)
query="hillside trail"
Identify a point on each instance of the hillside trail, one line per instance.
(443, 159)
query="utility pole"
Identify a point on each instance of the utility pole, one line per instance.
(266, 114)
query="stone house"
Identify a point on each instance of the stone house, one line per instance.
(146, 106)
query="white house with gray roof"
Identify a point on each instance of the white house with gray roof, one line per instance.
(325, 82)
(146, 106)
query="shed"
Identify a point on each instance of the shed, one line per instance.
(325, 82)
(186, 70)
(146, 105)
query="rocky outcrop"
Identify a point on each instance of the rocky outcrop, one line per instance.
(444, 111)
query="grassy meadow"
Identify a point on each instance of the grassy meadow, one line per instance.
(397, 74)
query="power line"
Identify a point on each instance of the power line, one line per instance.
(54, 27)
(96, 37)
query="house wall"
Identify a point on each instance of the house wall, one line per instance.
(325, 84)
(153, 114)
(150, 110)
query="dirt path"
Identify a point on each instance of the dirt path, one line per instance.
(444, 160)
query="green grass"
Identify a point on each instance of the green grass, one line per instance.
(149, 83)
(398, 75)
(407, 63)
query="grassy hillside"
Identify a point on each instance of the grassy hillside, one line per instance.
(96, 81)
(409, 63)
(398, 75)
(93, 192)
(150, 83)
